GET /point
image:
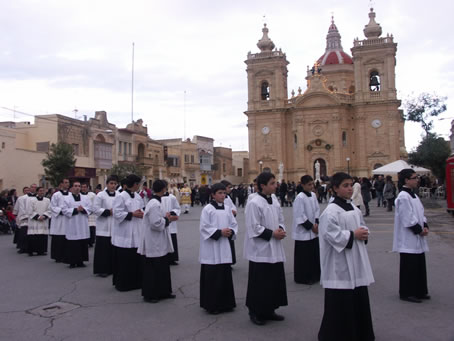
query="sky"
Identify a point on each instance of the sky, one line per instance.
(189, 72)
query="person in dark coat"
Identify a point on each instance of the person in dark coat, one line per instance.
(365, 193)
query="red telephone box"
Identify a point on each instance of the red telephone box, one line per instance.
(450, 183)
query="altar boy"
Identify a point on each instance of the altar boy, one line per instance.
(345, 267)
(217, 227)
(306, 212)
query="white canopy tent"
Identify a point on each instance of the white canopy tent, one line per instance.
(395, 167)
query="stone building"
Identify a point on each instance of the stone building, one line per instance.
(98, 145)
(222, 160)
(348, 118)
(240, 162)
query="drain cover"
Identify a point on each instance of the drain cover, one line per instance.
(54, 309)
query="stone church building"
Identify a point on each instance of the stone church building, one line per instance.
(347, 120)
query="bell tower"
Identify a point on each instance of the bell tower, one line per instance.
(374, 60)
(267, 75)
(267, 104)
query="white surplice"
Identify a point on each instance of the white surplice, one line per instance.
(125, 233)
(77, 225)
(342, 268)
(304, 208)
(57, 223)
(154, 240)
(103, 201)
(170, 203)
(39, 208)
(409, 212)
(211, 220)
(261, 215)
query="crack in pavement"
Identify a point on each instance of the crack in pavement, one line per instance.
(204, 328)
(180, 289)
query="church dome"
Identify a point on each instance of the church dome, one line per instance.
(334, 53)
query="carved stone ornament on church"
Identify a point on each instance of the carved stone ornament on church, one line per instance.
(309, 147)
(318, 142)
(318, 130)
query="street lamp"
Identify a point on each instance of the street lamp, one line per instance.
(348, 165)
(261, 165)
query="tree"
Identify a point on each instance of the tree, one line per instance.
(122, 170)
(59, 161)
(423, 108)
(431, 153)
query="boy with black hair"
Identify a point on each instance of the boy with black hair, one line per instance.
(127, 212)
(57, 222)
(228, 203)
(263, 248)
(306, 213)
(102, 209)
(217, 227)
(76, 209)
(410, 232)
(170, 204)
(38, 226)
(154, 245)
(345, 267)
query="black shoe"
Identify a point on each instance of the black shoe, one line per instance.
(30, 254)
(213, 312)
(256, 320)
(173, 263)
(275, 317)
(411, 299)
(21, 251)
(103, 275)
(151, 300)
(72, 266)
(171, 296)
(81, 265)
(425, 297)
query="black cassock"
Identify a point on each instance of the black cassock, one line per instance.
(347, 316)
(266, 280)
(127, 269)
(57, 248)
(216, 288)
(307, 261)
(157, 283)
(103, 258)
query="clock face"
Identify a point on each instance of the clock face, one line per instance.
(265, 130)
(376, 123)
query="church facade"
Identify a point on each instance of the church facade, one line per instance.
(348, 118)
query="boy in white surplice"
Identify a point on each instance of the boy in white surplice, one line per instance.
(217, 227)
(345, 267)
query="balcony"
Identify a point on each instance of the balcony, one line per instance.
(145, 161)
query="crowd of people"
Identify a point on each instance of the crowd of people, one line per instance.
(134, 232)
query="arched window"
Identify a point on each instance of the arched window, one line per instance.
(344, 138)
(265, 91)
(295, 140)
(378, 165)
(374, 81)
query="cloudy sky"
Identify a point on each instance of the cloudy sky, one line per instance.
(57, 56)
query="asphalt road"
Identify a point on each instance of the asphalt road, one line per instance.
(80, 306)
